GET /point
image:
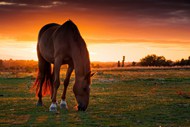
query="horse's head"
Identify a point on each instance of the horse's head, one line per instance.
(81, 90)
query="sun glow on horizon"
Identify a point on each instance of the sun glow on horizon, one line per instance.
(104, 52)
(135, 51)
(12, 49)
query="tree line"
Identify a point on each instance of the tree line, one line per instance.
(18, 65)
(149, 60)
(154, 60)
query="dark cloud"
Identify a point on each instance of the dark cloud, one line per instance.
(173, 10)
(142, 13)
(142, 9)
(140, 6)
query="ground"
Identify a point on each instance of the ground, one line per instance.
(119, 97)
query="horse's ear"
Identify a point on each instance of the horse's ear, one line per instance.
(92, 74)
(88, 75)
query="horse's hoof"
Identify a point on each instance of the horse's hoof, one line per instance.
(53, 108)
(39, 103)
(63, 105)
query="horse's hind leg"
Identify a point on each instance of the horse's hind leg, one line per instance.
(57, 65)
(41, 77)
(63, 103)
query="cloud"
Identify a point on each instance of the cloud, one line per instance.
(120, 16)
(6, 3)
(17, 4)
(133, 8)
(46, 6)
(59, 3)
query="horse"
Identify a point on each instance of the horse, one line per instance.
(57, 45)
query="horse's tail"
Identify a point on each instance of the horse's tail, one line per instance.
(47, 83)
(45, 77)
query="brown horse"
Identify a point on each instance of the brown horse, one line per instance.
(58, 45)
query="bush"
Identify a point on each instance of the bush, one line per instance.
(154, 60)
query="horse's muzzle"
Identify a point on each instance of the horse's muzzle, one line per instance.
(82, 107)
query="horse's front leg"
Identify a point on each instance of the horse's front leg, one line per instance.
(63, 104)
(53, 106)
(52, 82)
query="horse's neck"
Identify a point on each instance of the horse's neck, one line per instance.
(81, 62)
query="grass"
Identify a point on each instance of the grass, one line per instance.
(137, 97)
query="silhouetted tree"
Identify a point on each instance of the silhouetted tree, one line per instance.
(188, 62)
(160, 61)
(1, 63)
(153, 60)
(133, 63)
(184, 62)
(123, 61)
(149, 60)
(169, 63)
(118, 64)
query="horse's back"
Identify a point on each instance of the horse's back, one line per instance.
(68, 39)
(63, 40)
(46, 27)
(59, 41)
(45, 41)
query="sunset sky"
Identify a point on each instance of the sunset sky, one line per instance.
(111, 28)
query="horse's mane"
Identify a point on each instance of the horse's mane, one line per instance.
(69, 25)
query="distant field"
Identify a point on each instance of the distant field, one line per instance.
(119, 97)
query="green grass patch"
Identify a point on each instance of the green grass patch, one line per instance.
(137, 98)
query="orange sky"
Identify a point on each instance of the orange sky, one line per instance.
(111, 29)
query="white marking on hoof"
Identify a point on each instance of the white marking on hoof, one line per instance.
(53, 107)
(63, 105)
